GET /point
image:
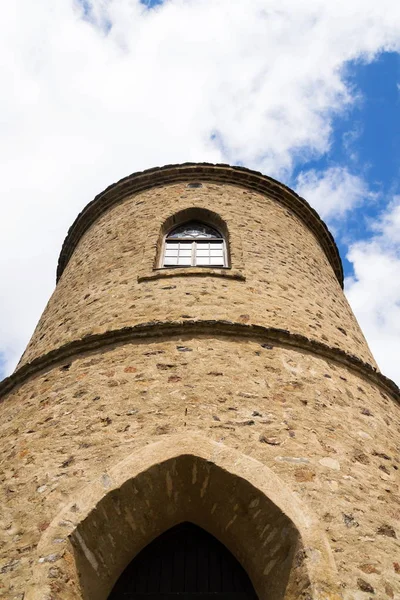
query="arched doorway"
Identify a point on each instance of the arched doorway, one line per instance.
(184, 562)
(188, 478)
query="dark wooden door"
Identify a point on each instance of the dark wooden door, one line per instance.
(184, 562)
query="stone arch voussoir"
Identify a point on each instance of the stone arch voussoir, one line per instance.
(185, 478)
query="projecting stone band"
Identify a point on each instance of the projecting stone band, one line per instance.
(209, 328)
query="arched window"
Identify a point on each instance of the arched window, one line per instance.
(194, 244)
(184, 563)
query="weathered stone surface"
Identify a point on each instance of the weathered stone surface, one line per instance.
(122, 244)
(389, 590)
(364, 586)
(272, 441)
(317, 424)
(305, 475)
(387, 530)
(368, 568)
(331, 463)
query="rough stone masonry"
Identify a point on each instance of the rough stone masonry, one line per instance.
(243, 398)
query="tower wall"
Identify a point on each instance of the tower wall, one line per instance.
(264, 358)
(280, 276)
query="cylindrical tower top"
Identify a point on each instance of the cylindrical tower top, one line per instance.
(199, 249)
(220, 173)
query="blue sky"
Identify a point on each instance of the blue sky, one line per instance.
(366, 138)
(306, 92)
(151, 3)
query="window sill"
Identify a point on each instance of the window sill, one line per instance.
(166, 272)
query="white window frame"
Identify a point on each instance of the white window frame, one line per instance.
(194, 242)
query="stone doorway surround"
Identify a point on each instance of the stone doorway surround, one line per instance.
(185, 477)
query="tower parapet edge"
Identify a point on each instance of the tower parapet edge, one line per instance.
(242, 397)
(221, 173)
(284, 273)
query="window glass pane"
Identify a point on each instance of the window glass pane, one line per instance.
(194, 230)
(170, 261)
(184, 260)
(214, 260)
(197, 238)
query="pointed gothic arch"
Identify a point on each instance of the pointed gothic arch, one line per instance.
(238, 500)
(184, 562)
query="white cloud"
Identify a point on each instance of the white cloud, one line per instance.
(374, 291)
(333, 192)
(85, 103)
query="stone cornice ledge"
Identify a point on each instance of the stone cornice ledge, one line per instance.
(156, 329)
(219, 173)
(165, 273)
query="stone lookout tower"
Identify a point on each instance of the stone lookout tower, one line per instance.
(197, 414)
